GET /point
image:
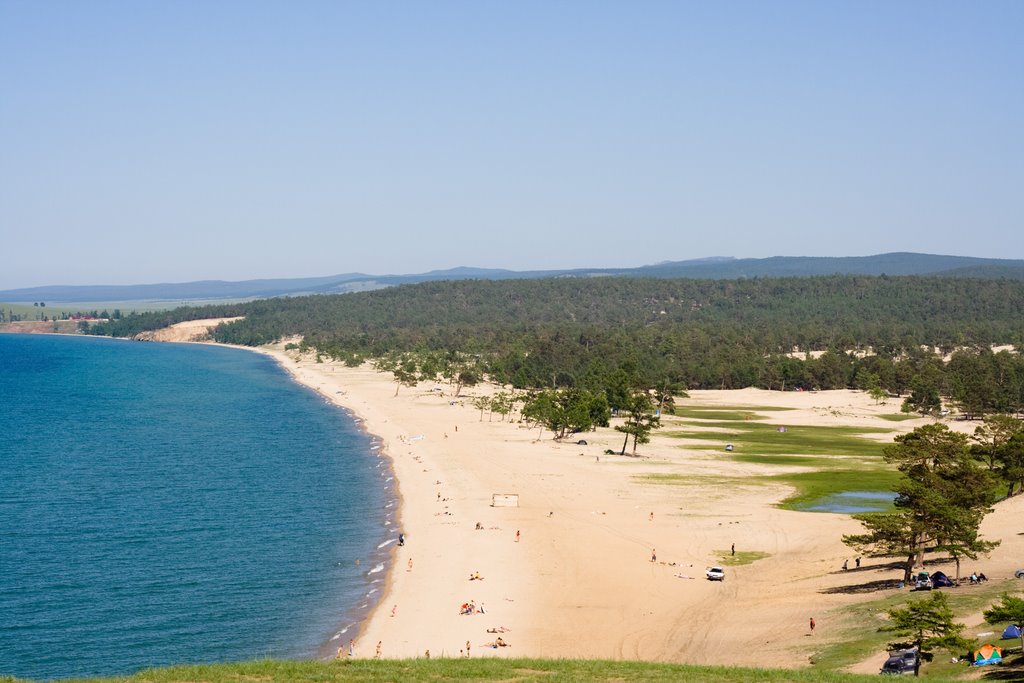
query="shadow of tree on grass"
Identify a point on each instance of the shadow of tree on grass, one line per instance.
(869, 587)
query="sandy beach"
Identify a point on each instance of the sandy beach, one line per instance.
(569, 572)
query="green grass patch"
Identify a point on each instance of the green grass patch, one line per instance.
(858, 467)
(857, 627)
(899, 417)
(812, 487)
(479, 669)
(737, 413)
(800, 460)
(840, 458)
(764, 439)
(742, 557)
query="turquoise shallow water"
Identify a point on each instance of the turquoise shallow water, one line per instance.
(165, 503)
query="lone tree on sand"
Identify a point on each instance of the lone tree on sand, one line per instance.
(640, 420)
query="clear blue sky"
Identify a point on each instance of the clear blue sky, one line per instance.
(150, 141)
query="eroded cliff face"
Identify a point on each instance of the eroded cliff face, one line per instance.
(188, 331)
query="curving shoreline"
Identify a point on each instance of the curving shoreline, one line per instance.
(352, 624)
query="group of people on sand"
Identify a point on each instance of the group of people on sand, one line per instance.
(471, 608)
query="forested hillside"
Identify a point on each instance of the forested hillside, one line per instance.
(691, 333)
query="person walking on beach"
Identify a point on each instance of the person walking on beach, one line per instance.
(467, 649)
(812, 624)
(352, 647)
(380, 643)
(733, 549)
(846, 565)
(856, 563)
(410, 565)
(654, 555)
(517, 535)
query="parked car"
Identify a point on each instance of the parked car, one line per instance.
(901, 662)
(923, 582)
(715, 574)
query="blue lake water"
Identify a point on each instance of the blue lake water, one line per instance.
(853, 502)
(164, 503)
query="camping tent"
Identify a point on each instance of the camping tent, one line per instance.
(1011, 631)
(986, 654)
(940, 580)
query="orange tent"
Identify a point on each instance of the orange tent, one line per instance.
(987, 654)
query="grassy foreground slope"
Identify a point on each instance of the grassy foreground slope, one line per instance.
(488, 669)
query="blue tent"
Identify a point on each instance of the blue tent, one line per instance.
(1012, 631)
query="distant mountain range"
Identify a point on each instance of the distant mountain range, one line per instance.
(716, 268)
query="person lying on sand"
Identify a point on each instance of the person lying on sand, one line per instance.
(498, 642)
(500, 629)
(476, 577)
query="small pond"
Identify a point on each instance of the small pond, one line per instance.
(851, 502)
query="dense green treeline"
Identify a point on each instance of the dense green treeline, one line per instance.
(691, 333)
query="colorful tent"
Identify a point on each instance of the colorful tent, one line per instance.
(987, 654)
(1012, 631)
